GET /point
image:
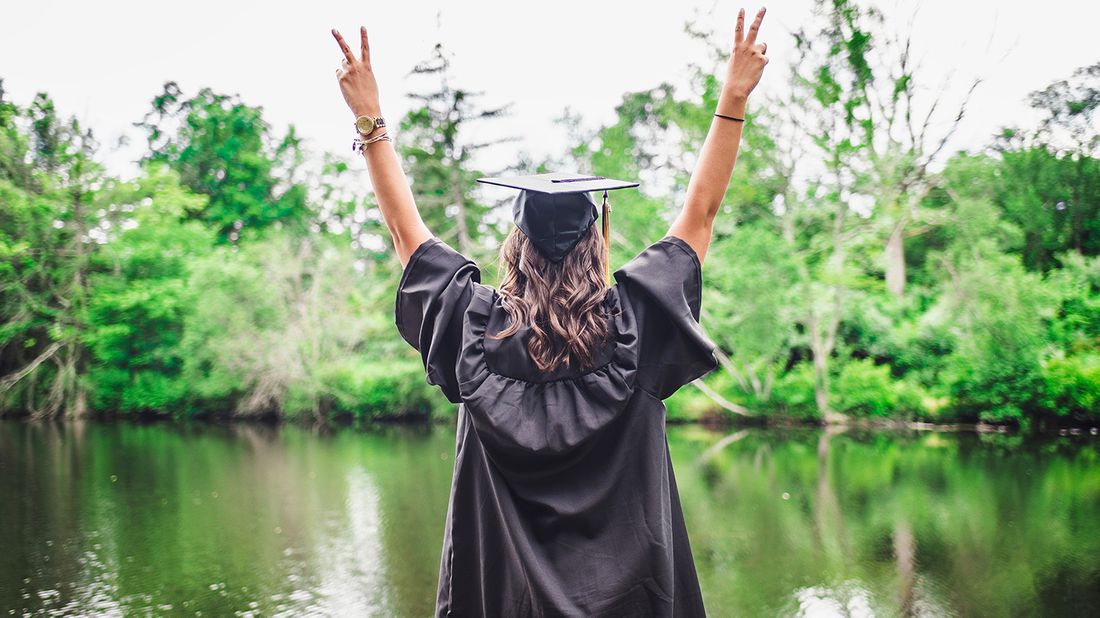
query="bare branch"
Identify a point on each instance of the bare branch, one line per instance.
(718, 399)
(12, 379)
(954, 126)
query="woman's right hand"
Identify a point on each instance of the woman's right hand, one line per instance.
(357, 82)
(747, 60)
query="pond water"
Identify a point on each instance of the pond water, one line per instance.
(119, 518)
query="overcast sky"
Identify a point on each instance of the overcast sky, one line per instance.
(104, 61)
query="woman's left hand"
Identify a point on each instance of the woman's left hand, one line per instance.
(356, 78)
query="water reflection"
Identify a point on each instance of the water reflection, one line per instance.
(811, 523)
(117, 518)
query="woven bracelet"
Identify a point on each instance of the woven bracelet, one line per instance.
(359, 144)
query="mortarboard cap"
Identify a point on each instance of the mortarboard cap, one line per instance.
(554, 210)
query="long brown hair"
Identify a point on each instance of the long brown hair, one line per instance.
(560, 301)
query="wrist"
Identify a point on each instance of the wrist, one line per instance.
(366, 110)
(367, 124)
(732, 103)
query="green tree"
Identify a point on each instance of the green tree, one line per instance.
(295, 326)
(225, 150)
(437, 145)
(49, 227)
(750, 311)
(139, 297)
(1049, 184)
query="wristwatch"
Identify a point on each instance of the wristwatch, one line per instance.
(365, 124)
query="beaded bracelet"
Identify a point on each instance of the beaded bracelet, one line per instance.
(730, 117)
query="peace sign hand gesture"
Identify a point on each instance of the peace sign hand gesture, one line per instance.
(356, 78)
(747, 60)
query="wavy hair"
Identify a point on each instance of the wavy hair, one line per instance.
(560, 301)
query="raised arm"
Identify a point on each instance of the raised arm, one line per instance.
(395, 198)
(711, 176)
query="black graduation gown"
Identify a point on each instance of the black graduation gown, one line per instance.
(563, 500)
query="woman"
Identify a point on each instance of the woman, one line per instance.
(563, 500)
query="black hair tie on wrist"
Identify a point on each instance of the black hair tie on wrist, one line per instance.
(730, 117)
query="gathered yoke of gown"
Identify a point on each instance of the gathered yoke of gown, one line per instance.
(563, 500)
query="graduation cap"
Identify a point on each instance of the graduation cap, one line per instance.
(554, 210)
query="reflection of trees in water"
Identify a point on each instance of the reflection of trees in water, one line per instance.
(837, 547)
(786, 521)
(218, 519)
(905, 557)
(833, 544)
(215, 518)
(828, 519)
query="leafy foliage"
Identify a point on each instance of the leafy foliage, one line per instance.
(224, 149)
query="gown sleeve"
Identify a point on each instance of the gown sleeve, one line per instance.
(435, 289)
(663, 285)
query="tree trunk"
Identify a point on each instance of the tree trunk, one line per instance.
(821, 384)
(76, 359)
(895, 260)
(821, 344)
(821, 351)
(824, 343)
(457, 196)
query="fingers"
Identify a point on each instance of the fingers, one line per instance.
(739, 33)
(343, 46)
(763, 48)
(755, 27)
(364, 46)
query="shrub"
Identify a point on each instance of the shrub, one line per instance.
(375, 390)
(865, 389)
(793, 394)
(1073, 385)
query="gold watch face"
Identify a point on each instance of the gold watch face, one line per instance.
(364, 124)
